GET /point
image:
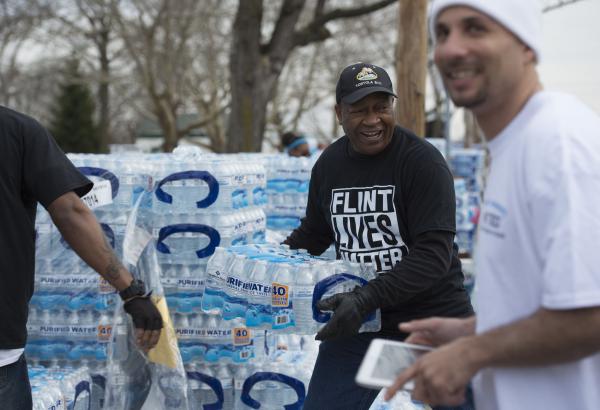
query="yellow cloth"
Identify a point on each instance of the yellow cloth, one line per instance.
(166, 351)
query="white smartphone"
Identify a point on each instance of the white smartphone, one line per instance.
(385, 360)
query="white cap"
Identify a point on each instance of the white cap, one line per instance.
(521, 17)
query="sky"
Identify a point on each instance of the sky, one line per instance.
(571, 51)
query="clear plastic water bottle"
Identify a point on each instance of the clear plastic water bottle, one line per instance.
(239, 377)
(282, 298)
(259, 293)
(235, 303)
(226, 379)
(259, 343)
(303, 295)
(207, 395)
(216, 276)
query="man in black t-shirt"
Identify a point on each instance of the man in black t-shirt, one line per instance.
(33, 169)
(383, 196)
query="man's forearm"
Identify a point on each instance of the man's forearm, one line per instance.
(428, 260)
(547, 337)
(81, 230)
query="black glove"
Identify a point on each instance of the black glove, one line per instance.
(143, 313)
(350, 310)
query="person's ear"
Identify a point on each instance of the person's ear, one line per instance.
(338, 113)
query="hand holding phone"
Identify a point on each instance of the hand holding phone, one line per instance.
(385, 360)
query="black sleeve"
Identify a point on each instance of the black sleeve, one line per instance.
(430, 201)
(314, 233)
(427, 262)
(48, 173)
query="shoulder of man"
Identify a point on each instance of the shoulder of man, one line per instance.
(411, 147)
(21, 122)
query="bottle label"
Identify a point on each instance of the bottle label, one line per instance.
(234, 283)
(280, 295)
(257, 289)
(68, 281)
(283, 316)
(66, 331)
(241, 336)
(189, 284)
(282, 320)
(203, 333)
(245, 354)
(104, 333)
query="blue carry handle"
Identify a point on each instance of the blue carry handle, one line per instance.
(110, 234)
(214, 384)
(105, 174)
(324, 285)
(295, 384)
(213, 187)
(213, 235)
(80, 388)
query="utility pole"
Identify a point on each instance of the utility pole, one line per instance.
(411, 65)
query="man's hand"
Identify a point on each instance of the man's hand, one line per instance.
(349, 314)
(437, 331)
(441, 376)
(146, 320)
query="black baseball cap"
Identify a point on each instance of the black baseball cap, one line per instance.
(361, 79)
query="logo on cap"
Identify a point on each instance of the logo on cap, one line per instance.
(366, 74)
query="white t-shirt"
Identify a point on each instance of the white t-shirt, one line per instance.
(9, 356)
(539, 245)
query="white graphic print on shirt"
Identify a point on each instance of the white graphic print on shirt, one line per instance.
(366, 225)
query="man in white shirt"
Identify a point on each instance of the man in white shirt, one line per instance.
(536, 340)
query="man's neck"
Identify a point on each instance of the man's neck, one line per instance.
(493, 121)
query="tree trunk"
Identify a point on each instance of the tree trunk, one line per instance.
(248, 102)
(167, 118)
(411, 65)
(103, 89)
(255, 69)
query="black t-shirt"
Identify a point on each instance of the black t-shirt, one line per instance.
(32, 169)
(397, 210)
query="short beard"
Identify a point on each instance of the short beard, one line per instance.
(471, 102)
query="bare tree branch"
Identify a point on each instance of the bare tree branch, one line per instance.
(316, 30)
(558, 4)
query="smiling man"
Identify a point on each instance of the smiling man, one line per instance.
(384, 197)
(536, 341)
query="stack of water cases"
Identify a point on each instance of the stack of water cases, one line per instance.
(72, 307)
(270, 292)
(201, 202)
(468, 166)
(287, 188)
(60, 389)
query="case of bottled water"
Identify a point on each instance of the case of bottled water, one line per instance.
(287, 189)
(57, 388)
(271, 287)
